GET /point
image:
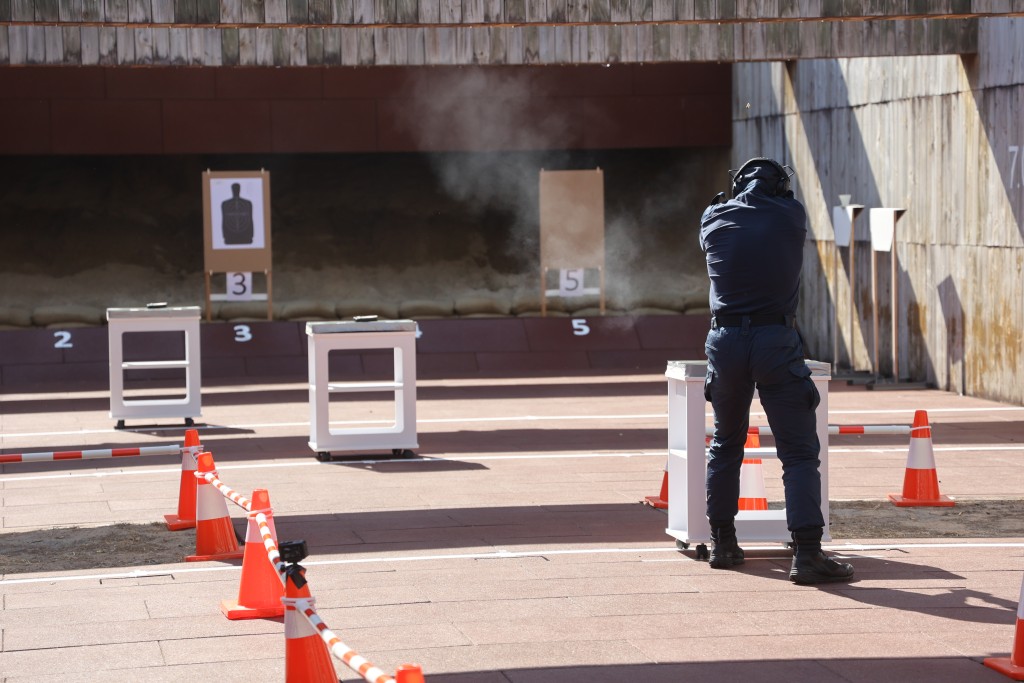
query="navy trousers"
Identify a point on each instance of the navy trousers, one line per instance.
(769, 358)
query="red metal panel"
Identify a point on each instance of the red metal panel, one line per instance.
(478, 335)
(106, 127)
(51, 82)
(217, 126)
(160, 83)
(682, 79)
(648, 121)
(584, 333)
(480, 124)
(25, 126)
(324, 125)
(673, 331)
(276, 83)
(363, 82)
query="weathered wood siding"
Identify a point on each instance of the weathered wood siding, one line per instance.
(941, 137)
(463, 32)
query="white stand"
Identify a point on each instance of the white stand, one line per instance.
(687, 462)
(324, 337)
(184, 319)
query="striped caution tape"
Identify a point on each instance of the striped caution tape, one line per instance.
(97, 454)
(229, 493)
(271, 547)
(834, 430)
(352, 659)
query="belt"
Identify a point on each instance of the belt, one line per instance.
(752, 320)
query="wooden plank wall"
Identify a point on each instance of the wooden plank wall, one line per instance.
(939, 136)
(414, 32)
(323, 12)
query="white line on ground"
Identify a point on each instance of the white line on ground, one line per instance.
(506, 418)
(845, 548)
(969, 448)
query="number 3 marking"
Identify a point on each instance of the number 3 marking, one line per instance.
(63, 340)
(243, 333)
(580, 328)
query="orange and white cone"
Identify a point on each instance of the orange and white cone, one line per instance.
(921, 481)
(1013, 666)
(260, 589)
(660, 501)
(306, 658)
(215, 537)
(752, 493)
(186, 517)
(409, 673)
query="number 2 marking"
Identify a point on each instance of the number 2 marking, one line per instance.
(63, 340)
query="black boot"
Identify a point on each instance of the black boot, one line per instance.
(811, 565)
(725, 552)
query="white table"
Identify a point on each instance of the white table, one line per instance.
(171, 320)
(397, 335)
(687, 462)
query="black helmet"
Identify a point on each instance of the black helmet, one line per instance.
(761, 168)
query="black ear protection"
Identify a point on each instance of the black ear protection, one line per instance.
(781, 177)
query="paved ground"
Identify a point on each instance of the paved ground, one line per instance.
(513, 550)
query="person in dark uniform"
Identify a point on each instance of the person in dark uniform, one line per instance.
(753, 245)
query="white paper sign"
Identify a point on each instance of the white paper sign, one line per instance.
(570, 282)
(882, 222)
(239, 287)
(236, 213)
(842, 225)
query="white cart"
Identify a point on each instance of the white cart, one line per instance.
(154, 318)
(687, 462)
(397, 335)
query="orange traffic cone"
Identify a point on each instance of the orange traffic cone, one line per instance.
(186, 517)
(215, 537)
(921, 481)
(660, 501)
(260, 589)
(409, 673)
(306, 658)
(1013, 666)
(752, 493)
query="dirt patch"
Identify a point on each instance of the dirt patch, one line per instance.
(71, 548)
(135, 545)
(967, 519)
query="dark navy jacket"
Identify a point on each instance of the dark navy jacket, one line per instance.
(754, 246)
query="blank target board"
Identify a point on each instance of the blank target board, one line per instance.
(572, 219)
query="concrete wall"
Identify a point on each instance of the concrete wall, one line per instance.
(939, 136)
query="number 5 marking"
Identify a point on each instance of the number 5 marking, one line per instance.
(243, 333)
(580, 328)
(63, 340)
